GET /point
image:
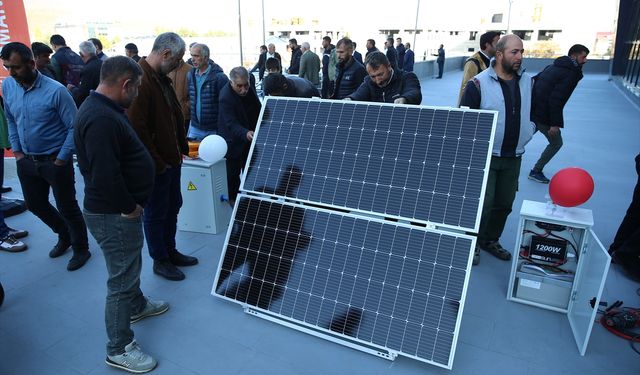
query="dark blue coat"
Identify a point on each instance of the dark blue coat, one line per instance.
(392, 55)
(409, 59)
(67, 66)
(358, 57)
(214, 82)
(238, 115)
(294, 68)
(552, 89)
(348, 78)
(401, 52)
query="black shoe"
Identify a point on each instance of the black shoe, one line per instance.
(178, 259)
(5, 189)
(167, 270)
(18, 233)
(78, 260)
(61, 247)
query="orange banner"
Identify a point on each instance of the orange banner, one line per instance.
(13, 26)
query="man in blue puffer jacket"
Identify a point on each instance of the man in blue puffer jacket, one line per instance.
(205, 81)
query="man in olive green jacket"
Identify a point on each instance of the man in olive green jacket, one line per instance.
(309, 65)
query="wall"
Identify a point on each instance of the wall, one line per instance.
(425, 69)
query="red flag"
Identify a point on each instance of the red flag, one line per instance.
(13, 26)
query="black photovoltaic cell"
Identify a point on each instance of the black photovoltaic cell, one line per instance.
(378, 282)
(423, 164)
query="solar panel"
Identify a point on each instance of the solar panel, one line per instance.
(385, 284)
(343, 229)
(419, 163)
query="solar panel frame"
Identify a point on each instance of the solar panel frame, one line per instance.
(299, 117)
(302, 325)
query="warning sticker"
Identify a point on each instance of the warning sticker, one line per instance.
(191, 186)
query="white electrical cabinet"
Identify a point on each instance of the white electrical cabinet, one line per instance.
(559, 264)
(205, 207)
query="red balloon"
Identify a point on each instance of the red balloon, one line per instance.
(571, 187)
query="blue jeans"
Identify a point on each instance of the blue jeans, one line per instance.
(199, 134)
(121, 242)
(161, 214)
(4, 229)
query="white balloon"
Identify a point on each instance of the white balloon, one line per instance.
(212, 148)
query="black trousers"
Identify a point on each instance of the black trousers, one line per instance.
(36, 178)
(327, 88)
(234, 169)
(626, 245)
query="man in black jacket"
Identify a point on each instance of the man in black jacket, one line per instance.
(400, 49)
(349, 73)
(387, 85)
(296, 54)
(392, 55)
(118, 175)
(292, 86)
(239, 112)
(262, 59)
(552, 89)
(90, 76)
(327, 82)
(371, 48)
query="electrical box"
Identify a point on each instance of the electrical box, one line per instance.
(559, 264)
(205, 198)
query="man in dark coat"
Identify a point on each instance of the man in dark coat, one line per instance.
(552, 89)
(349, 73)
(262, 59)
(392, 55)
(294, 87)
(296, 54)
(239, 111)
(90, 76)
(409, 58)
(400, 50)
(387, 85)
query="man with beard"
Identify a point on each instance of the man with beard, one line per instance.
(156, 117)
(349, 73)
(553, 88)
(387, 85)
(504, 88)
(40, 114)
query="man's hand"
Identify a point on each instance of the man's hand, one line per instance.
(133, 214)
(250, 135)
(400, 101)
(60, 162)
(19, 155)
(554, 130)
(70, 87)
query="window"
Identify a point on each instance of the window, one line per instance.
(523, 34)
(547, 34)
(497, 18)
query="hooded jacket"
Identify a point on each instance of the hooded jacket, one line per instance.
(552, 89)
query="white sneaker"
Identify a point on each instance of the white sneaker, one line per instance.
(10, 244)
(132, 360)
(152, 308)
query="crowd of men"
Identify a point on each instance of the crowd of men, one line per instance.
(128, 120)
